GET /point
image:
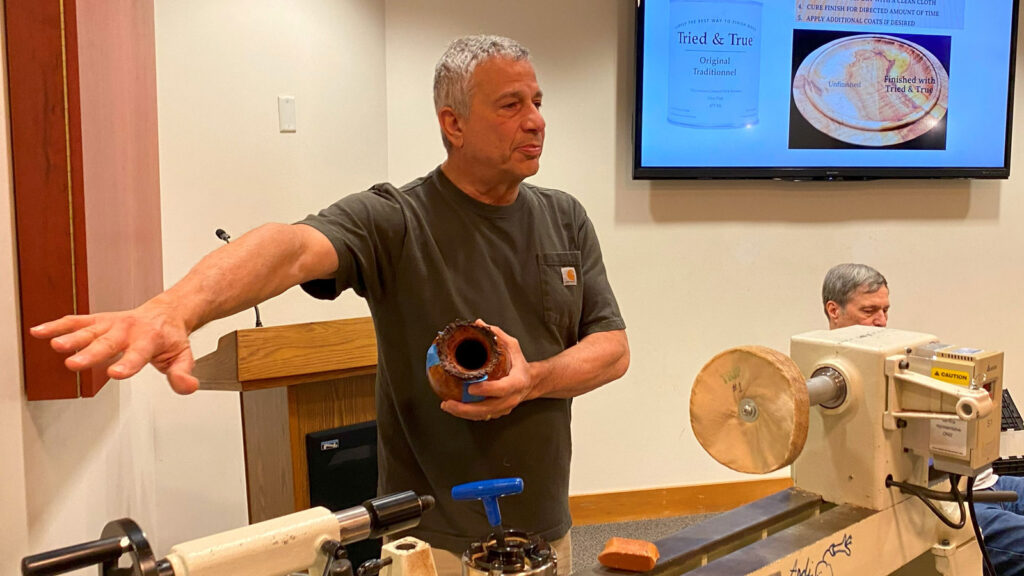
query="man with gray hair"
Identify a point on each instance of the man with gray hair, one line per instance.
(855, 294)
(468, 240)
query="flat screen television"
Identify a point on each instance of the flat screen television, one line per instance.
(824, 89)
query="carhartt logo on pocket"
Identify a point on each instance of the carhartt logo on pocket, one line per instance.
(568, 276)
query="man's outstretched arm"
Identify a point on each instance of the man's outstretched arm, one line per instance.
(259, 265)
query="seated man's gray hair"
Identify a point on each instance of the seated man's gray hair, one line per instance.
(843, 281)
(455, 68)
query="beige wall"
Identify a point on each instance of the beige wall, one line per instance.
(697, 266)
(224, 164)
(702, 266)
(68, 466)
(14, 527)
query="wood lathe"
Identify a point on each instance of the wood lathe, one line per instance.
(884, 431)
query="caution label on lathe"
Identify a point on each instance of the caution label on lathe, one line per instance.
(957, 377)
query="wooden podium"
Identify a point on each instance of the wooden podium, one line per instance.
(293, 380)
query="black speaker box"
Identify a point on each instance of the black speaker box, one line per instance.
(343, 473)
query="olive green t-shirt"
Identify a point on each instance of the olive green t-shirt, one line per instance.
(428, 254)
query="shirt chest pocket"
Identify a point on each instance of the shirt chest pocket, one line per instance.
(561, 285)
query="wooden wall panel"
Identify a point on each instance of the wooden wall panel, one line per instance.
(117, 64)
(41, 160)
(82, 81)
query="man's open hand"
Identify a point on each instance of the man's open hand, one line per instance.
(150, 334)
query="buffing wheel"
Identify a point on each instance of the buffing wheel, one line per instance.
(749, 409)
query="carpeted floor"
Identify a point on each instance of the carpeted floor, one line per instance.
(588, 541)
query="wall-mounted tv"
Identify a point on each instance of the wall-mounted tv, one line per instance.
(824, 89)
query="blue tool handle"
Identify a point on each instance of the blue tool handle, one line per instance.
(489, 491)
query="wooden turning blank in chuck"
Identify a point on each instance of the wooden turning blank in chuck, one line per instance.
(749, 409)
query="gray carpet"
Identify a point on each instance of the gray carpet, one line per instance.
(588, 541)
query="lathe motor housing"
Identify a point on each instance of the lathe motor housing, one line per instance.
(909, 399)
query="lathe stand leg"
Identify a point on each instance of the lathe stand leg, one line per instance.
(962, 560)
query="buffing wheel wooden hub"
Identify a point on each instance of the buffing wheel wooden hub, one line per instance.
(749, 409)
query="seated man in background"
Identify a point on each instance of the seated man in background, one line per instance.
(857, 294)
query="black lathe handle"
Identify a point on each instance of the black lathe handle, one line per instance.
(74, 557)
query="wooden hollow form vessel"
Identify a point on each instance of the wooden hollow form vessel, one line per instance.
(462, 354)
